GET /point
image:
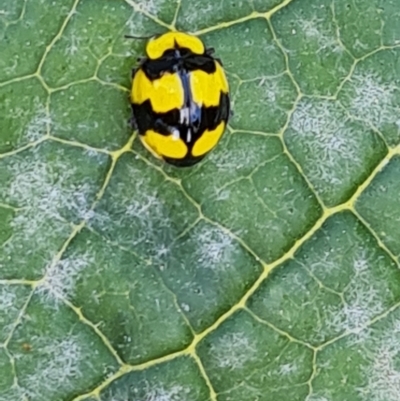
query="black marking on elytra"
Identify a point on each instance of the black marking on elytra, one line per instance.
(188, 161)
(166, 123)
(175, 60)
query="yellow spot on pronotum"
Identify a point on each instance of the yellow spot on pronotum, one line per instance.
(157, 46)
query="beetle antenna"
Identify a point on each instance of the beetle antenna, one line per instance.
(139, 37)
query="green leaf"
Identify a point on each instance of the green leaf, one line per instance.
(270, 271)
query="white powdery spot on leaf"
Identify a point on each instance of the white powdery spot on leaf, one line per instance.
(274, 89)
(73, 44)
(8, 299)
(316, 397)
(142, 213)
(37, 120)
(314, 31)
(215, 249)
(223, 160)
(230, 160)
(233, 351)
(326, 263)
(373, 100)
(174, 393)
(151, 6)
(223, 195)
(384, 378)
(43, 191)
(149, 211)
(38, 125)
(275, 92)
(287, 369)
(324, 133)
(383, 373)
(135, 27)
(57, 367)
(144, 207)
(8, 11)
(60, 278)
(16, 393)
(363, 299)
(152, 392)
(203, 13)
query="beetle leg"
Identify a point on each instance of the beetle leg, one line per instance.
(210, 51)
(134, 71)
(132, 122)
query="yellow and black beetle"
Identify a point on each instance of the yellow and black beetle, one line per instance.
(180, 99)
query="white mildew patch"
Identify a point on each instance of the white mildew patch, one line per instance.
(232, 159)
(148, 211)
(151, 6)
(383, 371)
(43, 191)
(315, 32)
(363, 297)
(223, 195)
(15, 393)
(152, 392)
(173, 393)
(38, 126)
(73, 44)
(203, 13)
(225, 161)
(8, 309)
(7, 298)
(358, 44)
(60, 278)
(316, 397)
(373, 100)
(215, 249)
(233, 351)
(288, 369)
(325, 263)
(329, 144)
(138, 216)
(134, 26)
(277, 296)
(11, 69)
(58, 366)
(32, 123)
(8, 11)
(144, 207)
(272, 90)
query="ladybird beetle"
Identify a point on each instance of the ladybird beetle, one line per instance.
(180, 99)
